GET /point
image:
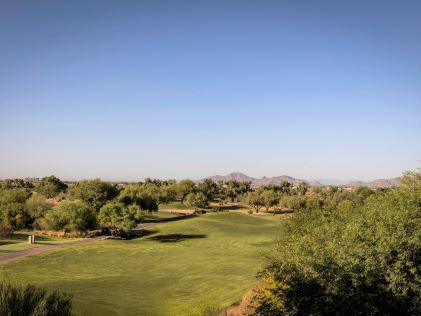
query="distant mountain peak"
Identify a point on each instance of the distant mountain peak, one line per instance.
(239, 176)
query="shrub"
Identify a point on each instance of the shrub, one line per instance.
(70, 216)
(6, 229)
(32, 301)
(349, 260)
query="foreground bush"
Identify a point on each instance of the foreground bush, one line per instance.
(33, 301)
(349, 260)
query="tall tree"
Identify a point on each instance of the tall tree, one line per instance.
(255, 200)
(197, 200)
(95, 193)
(184, 187)
(120, 216)
(70, 216)
(270, 199)
(50, 186)
(302, 188)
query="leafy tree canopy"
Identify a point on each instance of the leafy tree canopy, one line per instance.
(50, 186)
(349, 258)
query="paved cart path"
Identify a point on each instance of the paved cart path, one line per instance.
(41, 249)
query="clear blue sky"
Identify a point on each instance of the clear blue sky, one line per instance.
(124, 90)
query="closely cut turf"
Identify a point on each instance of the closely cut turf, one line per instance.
(181, 264)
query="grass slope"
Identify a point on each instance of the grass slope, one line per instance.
(179, 265)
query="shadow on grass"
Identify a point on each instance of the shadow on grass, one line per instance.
(231, 207)
(175, 237)
(170, 219)
(9, 242)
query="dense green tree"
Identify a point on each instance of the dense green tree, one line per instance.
(120, 216)
(285, 187)
(143, 195)
(16, 184)
(184, 187)
(95, 193)
(363, 192)
(349, 259)
(234, 189)
(50, 186)
(270, 198)
(13, 196)
(6, 229)
(13, 210)
(302, 188)
(197, 200)
(37, 206)
(160, 193)
(209, 188)
(70, 216)
(255, 200)
(167, 193)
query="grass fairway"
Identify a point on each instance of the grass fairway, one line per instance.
(181, 264)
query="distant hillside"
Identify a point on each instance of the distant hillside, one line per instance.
(238, 176)
(379, 183)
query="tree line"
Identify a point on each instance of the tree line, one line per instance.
(54, 205)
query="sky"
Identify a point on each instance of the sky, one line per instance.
(124, 90)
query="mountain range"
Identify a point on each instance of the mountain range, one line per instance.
(238, 176)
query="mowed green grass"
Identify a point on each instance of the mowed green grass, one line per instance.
(212, 258)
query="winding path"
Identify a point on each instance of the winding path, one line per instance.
(41, 249)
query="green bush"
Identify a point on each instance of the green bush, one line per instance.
(32, 301)
(349, 259)
(70, 216)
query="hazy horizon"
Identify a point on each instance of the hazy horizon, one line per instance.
(324, 181)
(192, 89)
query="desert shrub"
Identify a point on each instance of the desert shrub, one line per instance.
(6, 229)
(349, 259)
(32, 301)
